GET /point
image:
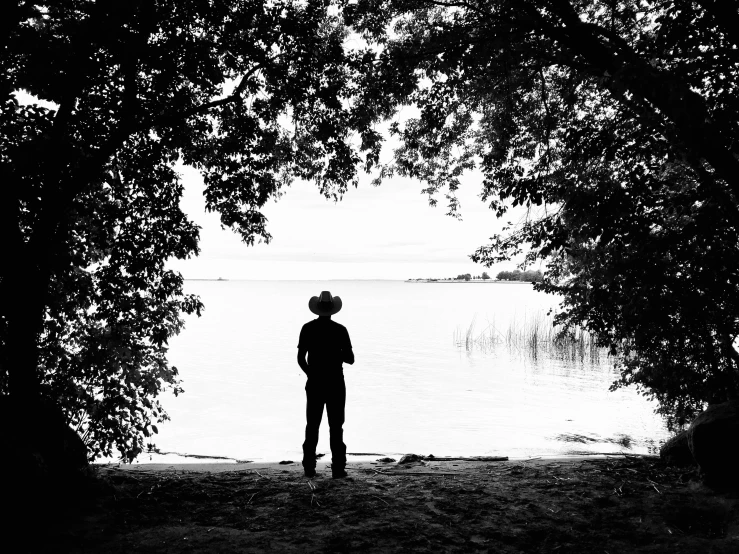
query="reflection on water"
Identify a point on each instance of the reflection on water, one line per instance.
(412, 389)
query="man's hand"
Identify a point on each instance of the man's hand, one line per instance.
(301, 361)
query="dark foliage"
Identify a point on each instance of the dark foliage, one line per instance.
(251, 94)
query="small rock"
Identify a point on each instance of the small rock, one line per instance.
(285, 462)
(676, 451)
(385, 460)
(410, 458)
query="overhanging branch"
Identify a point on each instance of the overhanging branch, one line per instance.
(165, 119)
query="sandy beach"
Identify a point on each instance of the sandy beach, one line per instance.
(605, 504)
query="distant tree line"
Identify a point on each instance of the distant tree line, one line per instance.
(469, 277)
(518, 275)
(460, 277)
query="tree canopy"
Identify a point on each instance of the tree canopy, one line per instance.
(615, 124)
(251, 94)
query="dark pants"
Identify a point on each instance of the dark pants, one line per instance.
(332, 394)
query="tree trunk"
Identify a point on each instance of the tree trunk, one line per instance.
(34, 425)
(24, 292)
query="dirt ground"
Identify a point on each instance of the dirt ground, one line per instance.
(613, 505)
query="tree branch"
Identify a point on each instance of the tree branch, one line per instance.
(163, 119)
(458, 5)
(129, 65)
(683, 107)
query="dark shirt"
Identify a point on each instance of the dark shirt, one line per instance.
(326, 342)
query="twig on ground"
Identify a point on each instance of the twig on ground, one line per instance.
(250, 499)
(619, 490)
(463, 459)
(313, 494)
(653, 485)
(380, 499)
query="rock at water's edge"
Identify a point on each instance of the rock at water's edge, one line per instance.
(676, 451)
(410, 458)
(713, 439)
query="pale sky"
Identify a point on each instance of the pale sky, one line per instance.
(386, 232)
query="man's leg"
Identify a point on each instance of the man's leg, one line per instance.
(313, 416)
(335, 405)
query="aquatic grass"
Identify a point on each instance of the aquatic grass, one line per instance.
(536, 335)
(465, 337)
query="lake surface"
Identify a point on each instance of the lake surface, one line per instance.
(413, 387)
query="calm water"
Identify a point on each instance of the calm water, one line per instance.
(412, 389)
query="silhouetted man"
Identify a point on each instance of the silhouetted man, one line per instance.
(327, 345)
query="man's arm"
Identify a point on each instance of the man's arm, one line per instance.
(347, 354)
(301, 359)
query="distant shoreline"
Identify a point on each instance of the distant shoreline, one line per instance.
(470, 281)
(504, 282)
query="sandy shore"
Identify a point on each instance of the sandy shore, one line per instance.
(355, 463)
(609, 504)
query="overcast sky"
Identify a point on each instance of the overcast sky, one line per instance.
(386, 232)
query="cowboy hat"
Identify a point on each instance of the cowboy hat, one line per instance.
(324, 304)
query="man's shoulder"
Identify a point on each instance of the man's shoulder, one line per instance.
(318, 324)
(308, 327)
(338, 326)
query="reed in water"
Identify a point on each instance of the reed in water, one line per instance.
(535, 335)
